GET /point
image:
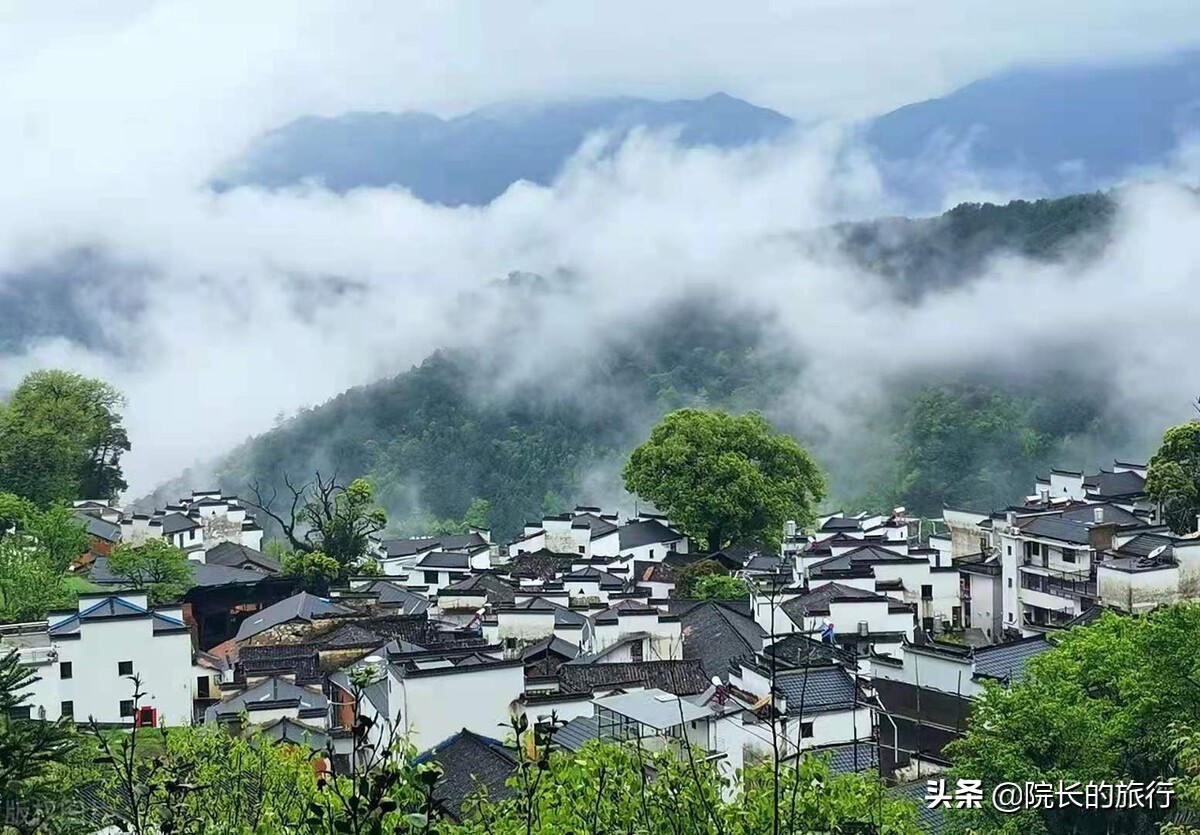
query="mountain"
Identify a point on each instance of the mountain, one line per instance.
(1073, 128)
(1042, 131)
(474, 158)
(440, 435)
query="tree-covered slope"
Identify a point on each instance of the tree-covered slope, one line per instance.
(444, 433)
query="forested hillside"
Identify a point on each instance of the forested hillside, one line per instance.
(442, 434)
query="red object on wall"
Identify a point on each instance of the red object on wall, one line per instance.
(146, 717)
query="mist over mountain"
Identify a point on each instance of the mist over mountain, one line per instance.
(1045, 130)
(534, 431)
(1032, 132)
(474, 158)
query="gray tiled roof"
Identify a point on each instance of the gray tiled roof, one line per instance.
(395, 596)
(470, 763)
(445, 561)
(578, 732)
(302, 606)
(817, 689)
(235, 555)
(267, 694)
(176, 522)
(1116, 484)
(683, 678)
(494, 589)
(931, 820)
(1055, 527)
(816, 601)
(647, 532)
(1007, 661)
(715, 635)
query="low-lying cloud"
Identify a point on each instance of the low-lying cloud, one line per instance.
(249, 304)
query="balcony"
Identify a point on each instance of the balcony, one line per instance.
(1070, 586)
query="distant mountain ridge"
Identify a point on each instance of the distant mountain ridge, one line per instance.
(473, 158)
(1038, 131)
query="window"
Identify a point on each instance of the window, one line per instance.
(126, 708)
(124, 668)
(65, 670)
(927, 624)
(1009, 547)
(583, 549)
(1068, 555)
(956, 616)
(202, 689)
(927, 592)
(1033, 549)
(431, 578)
(192, 534)
(67, 709)
(806, 730)
(651, 553)
(19, 712)
(1010, 582)
(635, 651)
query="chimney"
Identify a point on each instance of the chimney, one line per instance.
(1045, 495)
(1098, 515)
(1011, 518)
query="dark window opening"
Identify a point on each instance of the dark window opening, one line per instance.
(126, 708)
(635, 650)
(806, 730)
(927, 592)
(67, 709)
(65, 670)
(202, 687)
(431, 578)
(124, 668)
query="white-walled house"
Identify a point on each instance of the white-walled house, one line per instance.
(434, 694)
(86, 658)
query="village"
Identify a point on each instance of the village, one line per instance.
(864, 639)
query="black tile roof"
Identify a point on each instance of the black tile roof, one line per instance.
(1057, 528)
(578, 732)
(470, 763)
(234, 555)
(715, 635)
(395, 596)
(300, 660)
(817, 600)
(683, 678)
(598, 527)
(492, 587)
(817, 689)
(302, 606)
(798, 649)
(647, 532)
(542, 564)
(1107, 484)
(174, 523)
(1006, 662)
(445, 561)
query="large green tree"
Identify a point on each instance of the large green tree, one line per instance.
(1107, 704)
(154, 566)
(724, 479)
(1173, 478)
(61, 439)
(327, 516)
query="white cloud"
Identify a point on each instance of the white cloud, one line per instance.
(122, 111)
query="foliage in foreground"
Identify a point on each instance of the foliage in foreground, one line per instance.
(1110, 703)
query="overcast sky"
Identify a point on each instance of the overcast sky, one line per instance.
(116, 112)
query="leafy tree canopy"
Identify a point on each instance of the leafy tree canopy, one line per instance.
(61, 439)
(719, 587)
(315, 570)
(154, 566)
(724, 479)
(1173, 477)
(1104, 705)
